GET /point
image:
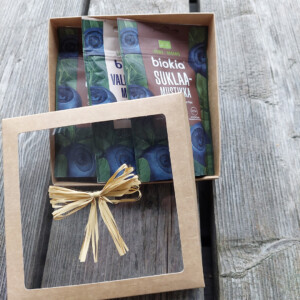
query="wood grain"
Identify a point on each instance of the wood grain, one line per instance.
(108, 7)
(24, 90)
(256, 201)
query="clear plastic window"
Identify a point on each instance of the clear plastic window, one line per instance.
(51, 248)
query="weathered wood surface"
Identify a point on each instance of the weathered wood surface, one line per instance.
(23, 90)
(256, 201)
(108, 7)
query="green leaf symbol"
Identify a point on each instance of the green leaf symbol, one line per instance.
(135, 70)
(103, 170)
(61, 166)
(144, 170)
(61, 141)
(200, 170)
(141, 144)
(197, 34)
(201, 84)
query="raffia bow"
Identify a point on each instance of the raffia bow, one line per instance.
(67, 202)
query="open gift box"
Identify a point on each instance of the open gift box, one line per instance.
(174, 109)
(191, 19)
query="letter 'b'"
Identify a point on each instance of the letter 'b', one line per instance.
(154, 62)
(118, 65)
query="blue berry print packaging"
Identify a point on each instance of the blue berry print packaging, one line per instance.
(74, 148)
(74, 153)
(161, 59)
(106, 84)
(149, 133)
(151, 148)
(114, 147)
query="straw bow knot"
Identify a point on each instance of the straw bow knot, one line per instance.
(66, 202)
(96, 194)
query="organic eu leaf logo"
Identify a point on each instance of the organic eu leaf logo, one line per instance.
(164, 44)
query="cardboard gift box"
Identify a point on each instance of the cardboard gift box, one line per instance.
(173, 107)
(204, 19)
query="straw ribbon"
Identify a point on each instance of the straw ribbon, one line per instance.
(66, 202)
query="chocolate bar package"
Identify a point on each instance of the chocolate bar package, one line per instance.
(106, 84)
(161, 59)
(74, 147)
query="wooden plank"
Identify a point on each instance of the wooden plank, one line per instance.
(108, 7)
(24, 90)
(257, 198)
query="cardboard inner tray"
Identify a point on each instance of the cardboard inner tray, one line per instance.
(204, 19)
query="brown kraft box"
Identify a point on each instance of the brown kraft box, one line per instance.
(204, 19)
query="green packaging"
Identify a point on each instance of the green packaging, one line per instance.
(106, 84)
(74, 148)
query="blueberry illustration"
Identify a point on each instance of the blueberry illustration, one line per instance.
(93, 41)
(199, 140)
(68, 47)
(158, 157)
(130, 41)
(137, 91)
(101, 95)
(81, 161)
(197, 59)
(68, 98)
(118, 155)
